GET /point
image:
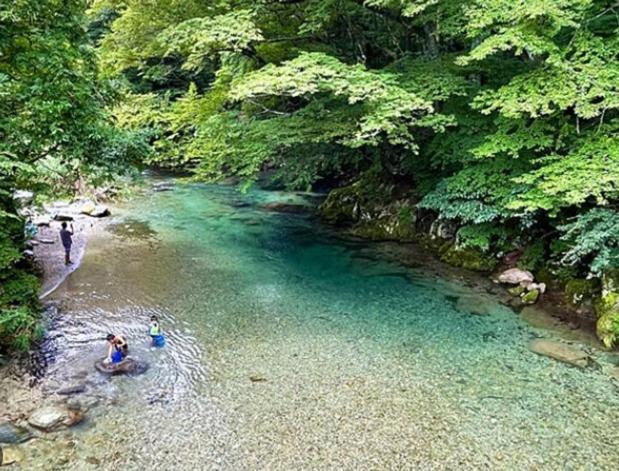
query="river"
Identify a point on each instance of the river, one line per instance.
(290, 349)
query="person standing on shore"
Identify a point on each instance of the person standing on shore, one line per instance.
(66, 236)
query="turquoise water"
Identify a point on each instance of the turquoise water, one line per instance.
(290, 349)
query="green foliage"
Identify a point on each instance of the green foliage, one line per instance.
(481, 236)
(54, 130)
(593, 239)
(533, 256)
(501, 116)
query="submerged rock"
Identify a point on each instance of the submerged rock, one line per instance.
(515, 276)
(476, 305)
(72, 389)
(11, 455)
(127, 366)
(10, 433)
(289, 208)
(560, 352)
(257, 378)
(82, 403)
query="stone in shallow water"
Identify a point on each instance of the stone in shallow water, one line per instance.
(72, 389)
(11, 455)
(560, 351)
(54, 417)
(478, 305)
(48, 417)
(10, 433)
(257, 378)
(82, 403)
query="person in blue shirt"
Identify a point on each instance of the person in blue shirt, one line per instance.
(66, 236)
(156, 336)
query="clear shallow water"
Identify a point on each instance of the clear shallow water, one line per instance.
(290, 350)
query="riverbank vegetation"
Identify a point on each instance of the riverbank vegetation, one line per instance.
(56, 137)
(490, 125)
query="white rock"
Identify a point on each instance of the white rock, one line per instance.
(48, 417)
(541, 287)
(515, 276)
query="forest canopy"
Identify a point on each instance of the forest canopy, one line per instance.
(499, 115)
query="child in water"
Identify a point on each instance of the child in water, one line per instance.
(157, 338)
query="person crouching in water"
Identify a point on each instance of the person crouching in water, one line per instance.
(117, 349)
(157, 338)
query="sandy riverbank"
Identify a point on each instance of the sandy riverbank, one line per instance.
(49, 252)
(18, 397)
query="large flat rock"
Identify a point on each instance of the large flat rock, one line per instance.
(560, 352)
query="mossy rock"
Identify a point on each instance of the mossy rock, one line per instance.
(607, 328)
(389, 228)
(467, 258)
(530, 297)
(516, 290)
(607, 309)
(579, 290)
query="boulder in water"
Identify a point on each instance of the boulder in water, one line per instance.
(129, 366)
(10, 433)
(560, 352)
(515, 276)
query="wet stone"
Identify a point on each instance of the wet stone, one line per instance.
(10, 433)
(11, 455)
(560, 351)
